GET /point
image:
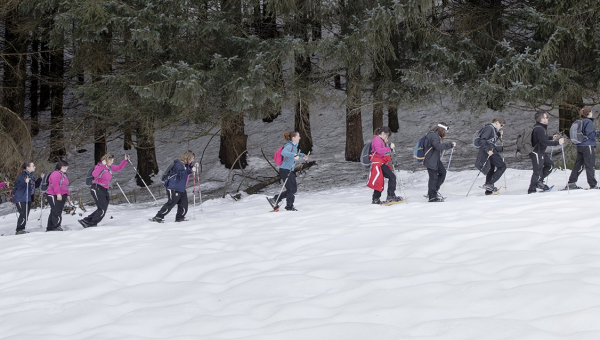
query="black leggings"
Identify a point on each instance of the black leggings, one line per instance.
(23, 209)
(436, 179)
(101, 197)
(290, 187)
(391, 176)
(56, 209)
(178, 198)
(586, 159)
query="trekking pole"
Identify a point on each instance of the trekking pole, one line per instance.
(41, 209)
(450, 159)
(503, 174)
(140, 176)
(194, 192)
(27, 198)
(200, 193)
(551, 151)
(123, 193)
(478, 172)
(400, 177)
(562, 149)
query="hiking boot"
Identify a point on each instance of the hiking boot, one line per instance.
(594, 187)
(181, 220)
(531, 191)
(156, 219)
(55, 229)
(83, 223)
(436, 199)
(490, 187)
(543, 186)
(376, 201)
(21, 232)
(437, 194)
(572, 186)
(292, 208)
(394, 199)
(487, 192)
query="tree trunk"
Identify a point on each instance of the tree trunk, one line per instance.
(301, 109)
(127, 138)
(44, 77)
(100, 148)
(393, 123)
(267, 29)
(15, 66)
(377, 100)
(233, 141)
(57, 138)
(354, 136)
(568, 113)
(147, 164)
(34, 86)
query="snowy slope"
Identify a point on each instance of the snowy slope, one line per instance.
(512, 266)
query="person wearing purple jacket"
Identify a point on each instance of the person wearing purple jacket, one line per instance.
(57, 194)
(103, 173)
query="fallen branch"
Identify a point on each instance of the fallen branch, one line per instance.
(257, 187)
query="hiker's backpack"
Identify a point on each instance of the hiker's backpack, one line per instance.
(167, 173)
(477, 138)
(45, 184)
(365, 156)
(89, 178)
(524, 144)
(576, 132)
(277, 157)
(419, 151)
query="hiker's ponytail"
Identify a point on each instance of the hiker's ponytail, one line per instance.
(289, 135)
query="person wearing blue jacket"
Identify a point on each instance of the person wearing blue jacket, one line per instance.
(586, 152)
(290, 154)
(24, 187)
(175, 185)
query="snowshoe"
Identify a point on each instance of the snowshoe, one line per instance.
(157, 220)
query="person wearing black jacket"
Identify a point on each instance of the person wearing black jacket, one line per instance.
(586, 152)
(433, 163)
(489, 160)
(542, 164)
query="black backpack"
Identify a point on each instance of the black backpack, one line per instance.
(167, 175)
(89, 178)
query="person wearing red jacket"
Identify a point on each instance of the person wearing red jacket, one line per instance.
(57, 194)
(380, 169)
(103, 173)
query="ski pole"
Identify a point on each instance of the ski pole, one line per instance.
(194, 192)
(400, 177)
(200, 193)
(450, 159)
(280, 191)
(123, 193)
(562, 150)
(140, 176)
(478, 172)
(41, 208)
(27, 198)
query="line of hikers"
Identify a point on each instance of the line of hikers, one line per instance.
(56, 188)
(377, 155)
(533, 142)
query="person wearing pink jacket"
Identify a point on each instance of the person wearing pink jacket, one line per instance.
(103, 173)
(57, 195)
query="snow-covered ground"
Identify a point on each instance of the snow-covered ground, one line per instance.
(511, 266)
